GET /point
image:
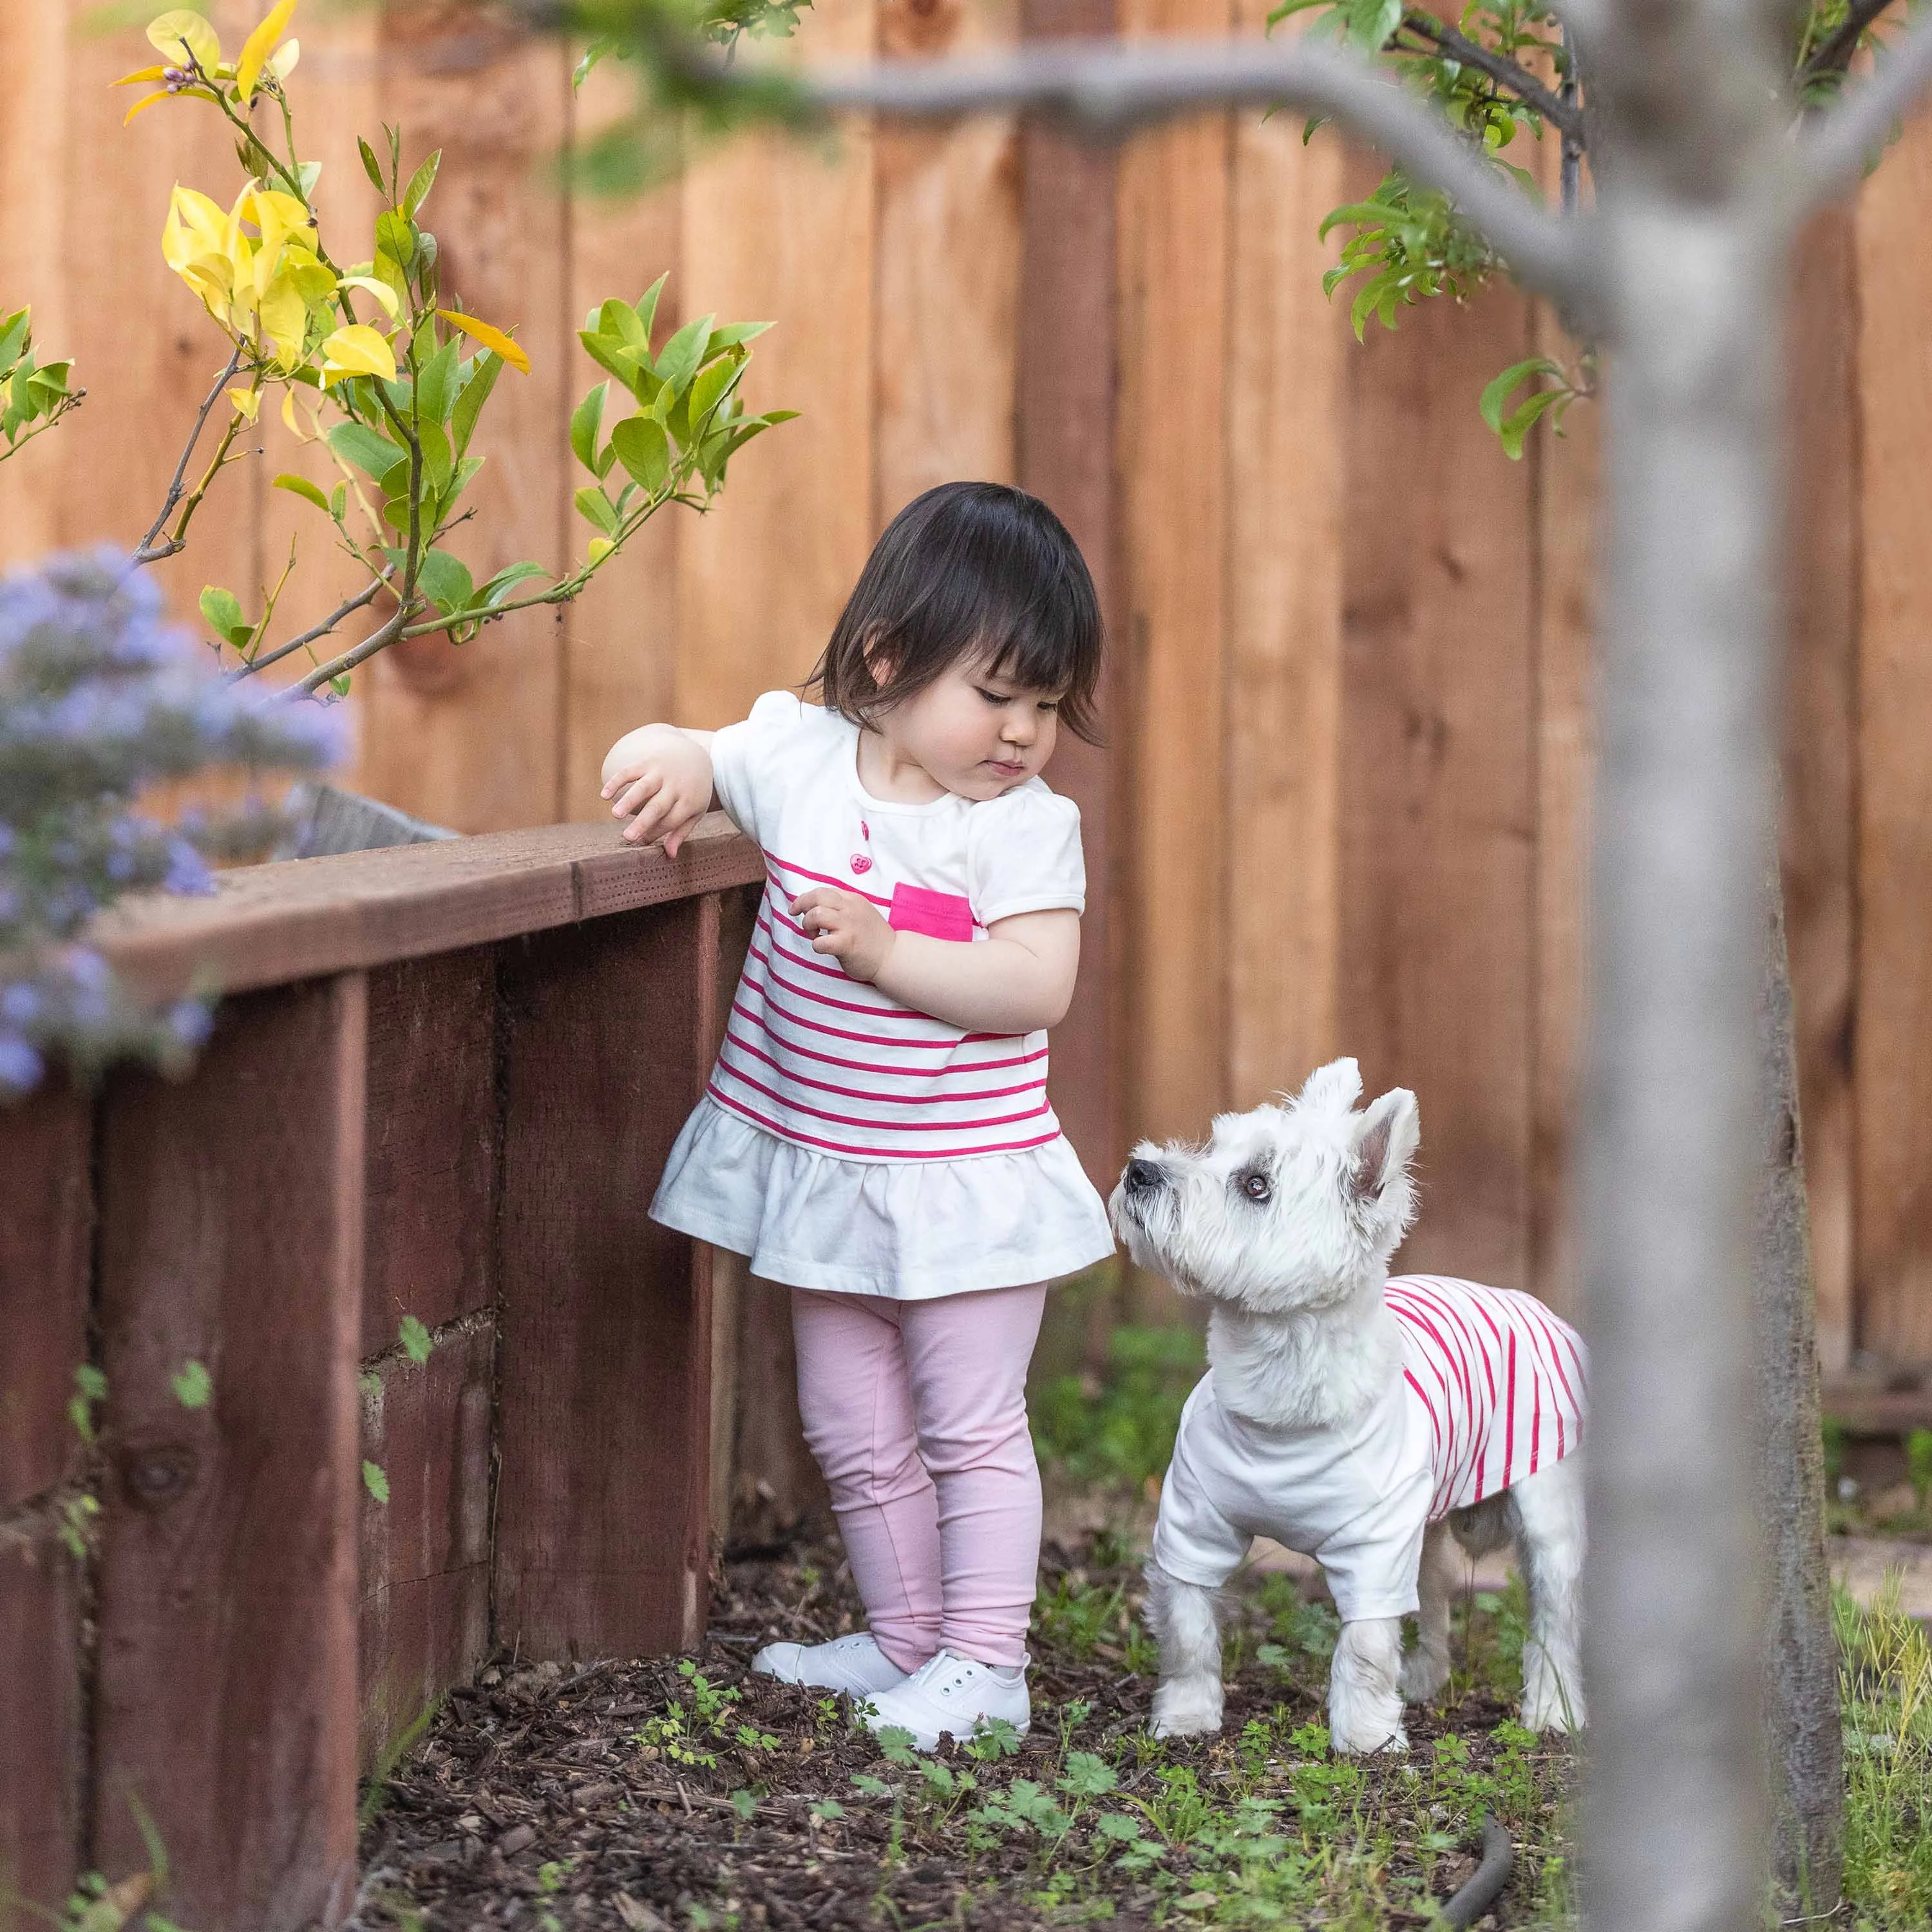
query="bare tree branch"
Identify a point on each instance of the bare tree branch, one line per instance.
(379, 639)
(1563, 115)
(1830, 154)
(151, 550)
(366, 596)
(1108, 88)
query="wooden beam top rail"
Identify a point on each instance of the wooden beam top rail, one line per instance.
(269, 925)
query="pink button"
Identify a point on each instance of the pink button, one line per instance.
(860, 863)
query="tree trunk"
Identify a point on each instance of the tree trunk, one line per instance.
(1802, 1683)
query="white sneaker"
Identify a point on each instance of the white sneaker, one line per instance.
(853, 1664)
(951, 1695)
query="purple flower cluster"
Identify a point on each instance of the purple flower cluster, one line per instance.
(100, 699)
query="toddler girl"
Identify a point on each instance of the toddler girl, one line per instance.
(876, 1132)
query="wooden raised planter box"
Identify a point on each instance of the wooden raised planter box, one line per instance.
(443, 1084)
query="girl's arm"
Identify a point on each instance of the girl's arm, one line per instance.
(1017, 979)
(659, 777)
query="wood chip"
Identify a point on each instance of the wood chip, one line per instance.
(517, 1838)
(640, 1918)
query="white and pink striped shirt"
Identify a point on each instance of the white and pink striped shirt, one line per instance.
(1491, 1390)
(832, 1063)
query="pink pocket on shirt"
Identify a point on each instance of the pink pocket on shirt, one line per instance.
(939, 915)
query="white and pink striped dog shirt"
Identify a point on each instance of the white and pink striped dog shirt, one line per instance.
(1491, 1390)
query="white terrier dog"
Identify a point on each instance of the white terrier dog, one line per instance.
(1356, 1418)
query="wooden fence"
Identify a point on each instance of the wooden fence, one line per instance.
(444, 1088)
(1342, 808)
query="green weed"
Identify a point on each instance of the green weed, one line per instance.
(1886, 1690)
(1119, 1429)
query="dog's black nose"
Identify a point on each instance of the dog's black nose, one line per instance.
(1141, 1175)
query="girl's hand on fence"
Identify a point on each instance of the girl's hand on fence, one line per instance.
(846, 926)
(660, 778)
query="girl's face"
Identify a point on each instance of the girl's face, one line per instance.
(972, 733)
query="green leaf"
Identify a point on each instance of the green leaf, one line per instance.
(340, 685)
(420, 182)
(438, 459)
(499, 587)
(445, 581)
(713, 384)
(356, 442)
(1118, 1826)
(373, 1480)
(222, 610)
(618, 319)
(438, 384)
(644, 450)
(371, 166)
(734, 333)
(1495, 397)
(895, 1745)
(13, 333)
(585, 421)
(871, 1787)
(415, 1339)
(646, 311)
(595, 507)
(300, 486)
(484, 371)
(394, 237)
(1518, 425)
(1088, 1775)
(193, 1385)
(678, 360)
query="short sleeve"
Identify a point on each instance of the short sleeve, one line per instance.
(1372, 1564)
(1023, 855)
(751, 760)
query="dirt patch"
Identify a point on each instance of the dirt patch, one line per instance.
(687, 1793)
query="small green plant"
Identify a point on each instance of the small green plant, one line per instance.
(1918, 1466)
(1120, 1429)
(710, 1717)
(90, 1389)
(416, 1339)
(193, 1385)
(375, 1481)
(1885, 1688)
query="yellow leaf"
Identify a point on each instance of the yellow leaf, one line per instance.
(181, 32)
(146, 101)
(284, 62)
(140, 73)
(381, 291)
(600, 548)
(285, 318)
(356, 350)
(248, 403)
(289, 415)
(259, 44)
(490, 338)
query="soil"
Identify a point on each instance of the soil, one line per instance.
(530, 1801)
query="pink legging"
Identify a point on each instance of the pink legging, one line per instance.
(916, 1412)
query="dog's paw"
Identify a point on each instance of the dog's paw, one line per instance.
(1424, 1675)
(1553, 1707)
(1185, 1707)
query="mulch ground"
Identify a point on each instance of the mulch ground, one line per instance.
(531, 1801)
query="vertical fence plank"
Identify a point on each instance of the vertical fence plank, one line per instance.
(620, 661)
(46, 1221)
(33, 196)
(772, 230)
(471, 738)
(1439, 814)
(424, 1604)
(1893, 1050)
(601, 1537)
(1065, 434)
(433, 1142)
(1565, 479)
(1174, 281)
(1821, 721)
(231, 1214)
(1286, 347)
(946, 271)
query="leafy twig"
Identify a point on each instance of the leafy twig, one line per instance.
(1505, 72)
(361, 598)
(379, 639)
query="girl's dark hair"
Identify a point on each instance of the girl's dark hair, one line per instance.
(968, 569)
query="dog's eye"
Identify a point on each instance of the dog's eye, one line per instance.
(1256, 1186)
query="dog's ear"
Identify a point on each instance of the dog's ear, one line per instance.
(1387, 1132)
(1334, 1088)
